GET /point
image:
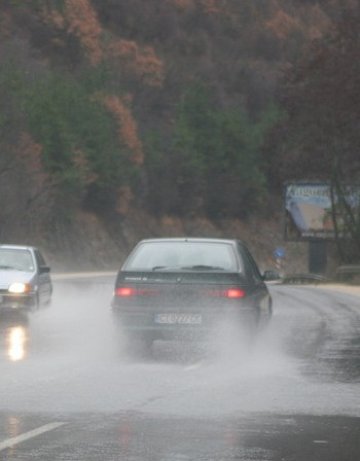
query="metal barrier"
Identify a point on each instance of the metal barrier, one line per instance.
(349, 273)
(303, 279)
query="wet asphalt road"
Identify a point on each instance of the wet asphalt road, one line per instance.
(68, 391)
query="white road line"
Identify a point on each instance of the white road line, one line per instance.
(82, 275)
(194, 366)
(29, 435)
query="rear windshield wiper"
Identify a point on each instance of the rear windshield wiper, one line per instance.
(203, 267)
(164, 268)
(196, 267)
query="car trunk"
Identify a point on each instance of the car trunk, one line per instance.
(181, 300)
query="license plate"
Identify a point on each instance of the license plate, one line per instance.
(174, 319)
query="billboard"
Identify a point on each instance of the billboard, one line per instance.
(310, 208)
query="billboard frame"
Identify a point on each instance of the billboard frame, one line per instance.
(313, 211)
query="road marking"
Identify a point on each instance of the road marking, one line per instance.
(194, 366)
(82, 275)
(29, 435)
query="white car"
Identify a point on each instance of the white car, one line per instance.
(25, 282)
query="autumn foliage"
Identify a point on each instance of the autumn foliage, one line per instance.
(30, 154)
(209, 81)
(141, 61)
(82, 22)
(207, 6)
(127, 127)
(282, 24)
(79, 19)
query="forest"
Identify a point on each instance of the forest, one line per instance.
(173, 108)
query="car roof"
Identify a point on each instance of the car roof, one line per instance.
(16, 247)
(191, 239)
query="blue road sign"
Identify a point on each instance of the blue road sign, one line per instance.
(279, 253)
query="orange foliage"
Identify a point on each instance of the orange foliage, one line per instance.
(142, 62)
(127, 127)
(54, 17)
(82, 166)
(83, 22)
(183, 4)
(124, 196)
(79, 18)
(312, 22)
(30, 155)
(282, 24)
(212, 6)
(208, 6)
(319, 22)
(5, 24)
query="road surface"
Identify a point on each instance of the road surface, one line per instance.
(68, 391)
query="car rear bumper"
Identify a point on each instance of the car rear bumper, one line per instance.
(188, 326)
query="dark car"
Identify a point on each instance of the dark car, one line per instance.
(25, 283)
(187, 287)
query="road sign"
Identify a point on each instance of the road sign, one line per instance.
(279, 253)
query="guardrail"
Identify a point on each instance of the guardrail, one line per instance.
(303, 279)
(348, 273)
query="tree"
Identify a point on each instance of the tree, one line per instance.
(215, 157)
(81, 149)
(322, 99)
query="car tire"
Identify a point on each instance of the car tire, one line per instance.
(36, 305)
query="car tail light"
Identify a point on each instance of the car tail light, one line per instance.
(128, 292)
(125, 292)
(231, 293)
(235, 293)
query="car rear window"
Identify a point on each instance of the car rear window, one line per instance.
(183, 256)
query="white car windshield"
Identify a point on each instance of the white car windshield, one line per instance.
(20, 260)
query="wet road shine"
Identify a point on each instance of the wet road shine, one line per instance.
(68, 390)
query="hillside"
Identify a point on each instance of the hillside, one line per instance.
(116, 112)
(88, 244)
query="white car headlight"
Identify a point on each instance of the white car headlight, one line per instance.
(19, 288)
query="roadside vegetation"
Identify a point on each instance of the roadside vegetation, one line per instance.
(174, 108)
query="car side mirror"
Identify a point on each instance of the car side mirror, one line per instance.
(44, 269)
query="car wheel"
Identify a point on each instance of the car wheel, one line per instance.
(36, 305)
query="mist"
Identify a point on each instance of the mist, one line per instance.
(78, 362)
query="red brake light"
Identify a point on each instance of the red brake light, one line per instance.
(234, 293)
(125, 292)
